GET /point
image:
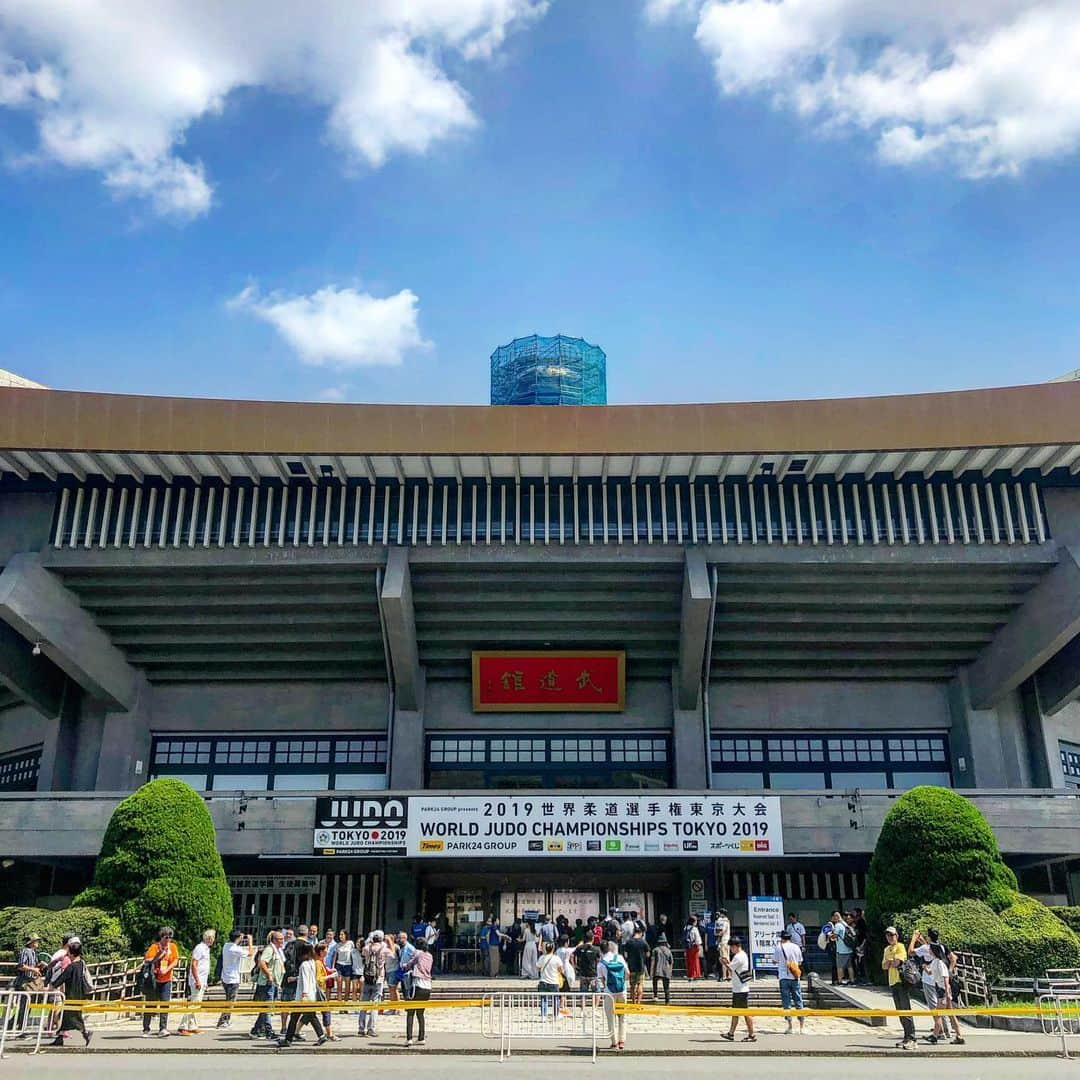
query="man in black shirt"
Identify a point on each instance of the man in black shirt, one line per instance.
(585, 957)
(636, 953)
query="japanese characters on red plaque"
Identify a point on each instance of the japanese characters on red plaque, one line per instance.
(549, 681)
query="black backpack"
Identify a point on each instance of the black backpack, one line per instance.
(371, 969)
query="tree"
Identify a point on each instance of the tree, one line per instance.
(159, 865)
(935, 847)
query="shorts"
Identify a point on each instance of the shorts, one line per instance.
(637, 978)
(741, 1001)
(725, 951)
(393, 978)
(934, 996)
(345, 971)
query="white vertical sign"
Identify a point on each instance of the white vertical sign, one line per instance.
(766, 921)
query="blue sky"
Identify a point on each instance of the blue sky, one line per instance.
(639, 178)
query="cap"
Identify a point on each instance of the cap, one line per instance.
(32, 937)
(891, 930)
(736, 941)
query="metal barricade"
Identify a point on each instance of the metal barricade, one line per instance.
(1059, 1012)
(29, 1014)
(528, 1014)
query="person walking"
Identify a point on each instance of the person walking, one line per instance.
(692, 941)
(237, 952)
(611, 976)
(788, 958)
(530, 953)
(636, 954)
(663, 967)
(76, 984)
(269, 972)
(306, 991)
(373, 959)
(419, 968)
(585, 957)
(162, 958)
(197, 981)
(325, 980)
(740, 990)
(29, 976)
(892, 961)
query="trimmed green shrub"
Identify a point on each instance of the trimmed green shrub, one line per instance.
(1022, 940)
(934, 848)
(1070, 916)
(101, 934)
(159, 865)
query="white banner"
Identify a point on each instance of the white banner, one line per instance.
(765, 917)
(549, 825)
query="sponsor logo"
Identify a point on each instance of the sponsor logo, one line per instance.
(632, 845)
(613, 845)
(536, 845)
(761, 845)
(322, 837)
(689, 845)
(724, 845)
(592, 845)
(555, 845)
(651, 845)
(746, 845)
(670, 845)
(432, 845)
(365, 813)
(573, 845)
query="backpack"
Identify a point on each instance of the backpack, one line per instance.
(910, 972)
(616, 975)
(612, 930)
(371, 968)
(146, 983)
(686, 940)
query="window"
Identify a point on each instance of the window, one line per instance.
(519, 761)
(271, 763)
(833, 760)
(1070, 763)
(19, 769)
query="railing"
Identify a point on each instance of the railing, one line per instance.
(116, 980)
(1060, 1016)
(33, 1013)
(532, 1015)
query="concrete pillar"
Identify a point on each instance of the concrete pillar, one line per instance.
(963, 740)
(402, 894)
(1063, 514)
(124, 761)
(407, 745)
(399, 620)
(688, 742)
(693, 628)
(1059, 679)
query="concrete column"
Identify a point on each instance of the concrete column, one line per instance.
(124, 761)
(400, 623)
(1063, 515)
(962, 737)
(402, 894)
(1059, 679)
(36, 680)
(693, 628)
(688, 742)
(407, 745)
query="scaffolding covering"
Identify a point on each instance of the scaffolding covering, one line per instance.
(555, 370)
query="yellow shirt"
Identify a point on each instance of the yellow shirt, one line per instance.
(894, 952)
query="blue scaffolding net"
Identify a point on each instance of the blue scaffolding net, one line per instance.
(549, 371)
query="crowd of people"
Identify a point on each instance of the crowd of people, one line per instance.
(615, 956)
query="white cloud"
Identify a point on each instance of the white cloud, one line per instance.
(984, 87)
(114, 87)
(340, 327)
(332, 393)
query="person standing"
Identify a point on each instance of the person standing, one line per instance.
(270, 971)
(237, 952)
(862, 950)
(550, 969)
(796, 930)
(494, 936)
(692, 941)
(530, 953)
(29, 976)
(892, 961)
(636, 955)
(198, 978)
(163, 956)
(565, 953)
(547, 931)
(373, 959)
(611, 977)
(76, 984)
(585, 957)
(393, 974)
(331, 950)
(406, 951)
(740, 990)
(419, 968)
(663, 967)
(845, 949)
(344, 958)
(788, 958)
(722, 926)
(306, 991)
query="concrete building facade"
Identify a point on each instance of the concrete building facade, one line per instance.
(823, 603)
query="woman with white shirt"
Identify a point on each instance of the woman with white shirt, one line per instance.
(418, 965)
(306, 991)
(344, 961)
(566, 955)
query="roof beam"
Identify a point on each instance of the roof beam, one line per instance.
(841, 469)
(904, 464)
(695, 464)
(9, 464)
(35, 680)
(997, 459)
(158, 463)
(40, 465)
(35, 604)
(876, 462)
(107, 470)
(1029, 457)
(755, 464)
(664, 464)
(967, 460)
(783, 466)
(193, 470)
(1045, 623)
(935, 463)
(725, 465)
(813, 464)
(341, 472)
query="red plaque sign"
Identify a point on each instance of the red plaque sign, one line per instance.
(549, 681)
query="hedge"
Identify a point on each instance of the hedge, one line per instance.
(1022, 940)
(1070, 916)
(159, 865)
(935, 847)
(101, 934)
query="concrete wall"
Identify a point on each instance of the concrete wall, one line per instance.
(25, 521)
(448, 707)
(798, 705)
(22, 726)
(1062, 725)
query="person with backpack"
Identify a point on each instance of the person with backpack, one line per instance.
(611, 976)
(894, 960)
(155, 978)
(373, 959)
(77, 985)
(238, 951)
(937, 961)
(268, 973)
(692, 944)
